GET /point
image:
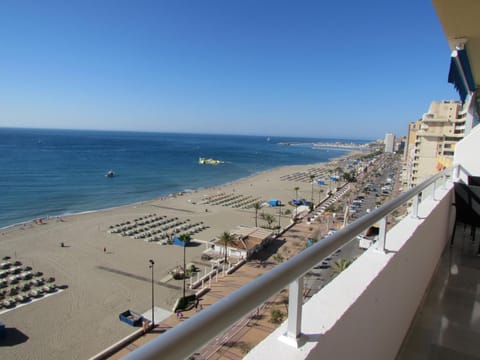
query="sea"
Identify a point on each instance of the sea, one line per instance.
(47, 173)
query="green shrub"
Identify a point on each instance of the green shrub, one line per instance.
(276, 316)
(244, 347)
(186, 303)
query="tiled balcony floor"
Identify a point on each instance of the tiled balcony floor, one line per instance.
(448, 324)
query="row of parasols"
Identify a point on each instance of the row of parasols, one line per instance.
(20, 285)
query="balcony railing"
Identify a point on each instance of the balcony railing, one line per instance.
(183, 340)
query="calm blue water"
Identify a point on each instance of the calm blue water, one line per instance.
(57, 172)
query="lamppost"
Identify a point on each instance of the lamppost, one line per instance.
(184, 267)
(153, 298)
(279, 215)
(312, 177)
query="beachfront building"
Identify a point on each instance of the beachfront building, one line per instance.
(389, 142)
(436, 136)
(413, 295)
(400, 145)
(409, 151)
(246, 242)
(410, 140)
(410, 148)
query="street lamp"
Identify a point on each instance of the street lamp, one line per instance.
(279, 215)
(184, 268)
(153, 299)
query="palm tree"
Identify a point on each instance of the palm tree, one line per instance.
(185, 238)
(279, 215)
(319, 195)
(340, 265)
(269, 218)
(226, 238)
(330, 172)
(348, 176)
(257, 207)
(311, 180)
(296, 188)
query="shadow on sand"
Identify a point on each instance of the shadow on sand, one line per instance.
(194, 244)
(13, 337)
(270, 250)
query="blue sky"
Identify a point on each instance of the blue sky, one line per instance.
(351, 69)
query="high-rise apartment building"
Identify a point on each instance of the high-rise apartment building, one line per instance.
(409, 151)
(410, 140)
(435, 138)
(389, 142)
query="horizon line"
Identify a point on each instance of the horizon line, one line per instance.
(187, 133)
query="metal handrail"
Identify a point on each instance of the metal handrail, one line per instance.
(184, 339)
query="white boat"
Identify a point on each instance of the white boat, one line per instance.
(205, 161)
(110, 174)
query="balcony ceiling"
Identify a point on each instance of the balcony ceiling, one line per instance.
(460, 19)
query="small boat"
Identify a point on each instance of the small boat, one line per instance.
(131, 318)
(110, 174)
(205, 161)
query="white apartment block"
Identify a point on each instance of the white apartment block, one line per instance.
(436, 136)
(409, 151)
(389, 142)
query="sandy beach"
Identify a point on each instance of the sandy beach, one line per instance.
(105, 274)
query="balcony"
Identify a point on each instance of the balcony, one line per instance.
(447, 324)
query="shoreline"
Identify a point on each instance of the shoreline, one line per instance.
(350, 152)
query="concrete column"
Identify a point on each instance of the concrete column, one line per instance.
(294, 321)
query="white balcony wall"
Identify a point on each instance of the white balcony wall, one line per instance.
(466, 152)
(366, 311)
